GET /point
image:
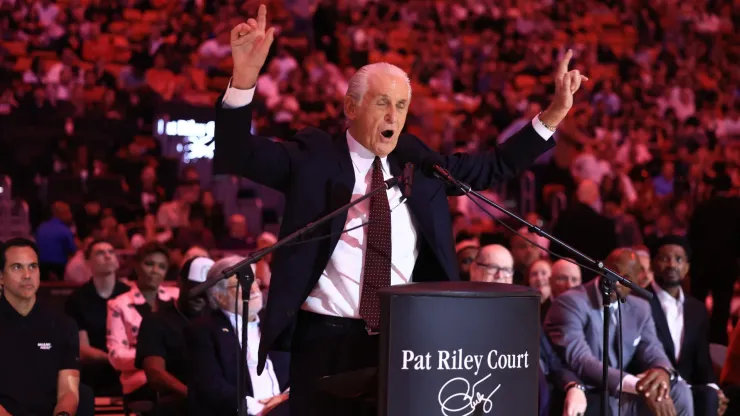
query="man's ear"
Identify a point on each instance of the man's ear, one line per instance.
(350, 108)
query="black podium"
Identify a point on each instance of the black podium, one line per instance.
(458, 349)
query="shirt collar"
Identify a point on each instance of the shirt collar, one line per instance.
(234, 318)
(362, 158)
(664, 296)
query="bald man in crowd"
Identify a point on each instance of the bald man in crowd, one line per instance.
(565, 276)
(650, 385)
(494, 263)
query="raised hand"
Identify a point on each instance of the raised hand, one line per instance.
(250, 44)
(566, 84)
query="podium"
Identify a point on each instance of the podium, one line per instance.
(458, 349)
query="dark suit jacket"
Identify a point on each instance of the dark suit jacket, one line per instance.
(586, 230)
(314, 171)
(694, 364)
(555, 376)
(213, 354)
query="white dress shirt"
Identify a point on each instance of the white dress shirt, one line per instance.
(337, 292)
(673, 310)
(266, 385)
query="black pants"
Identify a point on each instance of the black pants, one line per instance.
(719, 281)
(323, 346)
(706, 401)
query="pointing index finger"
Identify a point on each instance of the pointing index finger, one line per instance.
(563, 68)
(262, 17)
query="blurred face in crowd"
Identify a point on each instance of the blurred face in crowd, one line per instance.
(190, 193)
(20, 277)
(539, 277)
(625, 262)
(102, 260)
(226, 301)
(671, 265)
(565, 275)
(493, 264)
(193, 252)
(647, 277)
(152, 270)
(524, 253)
(465, 259)
(148, 177)
(238, 226)
(377, 120)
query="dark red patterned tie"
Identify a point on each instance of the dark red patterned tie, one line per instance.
(377, 272)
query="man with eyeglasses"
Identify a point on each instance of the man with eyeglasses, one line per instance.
(493, 264)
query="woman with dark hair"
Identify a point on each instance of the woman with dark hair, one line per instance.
(126, 312)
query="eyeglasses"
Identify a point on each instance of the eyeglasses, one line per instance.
(494, 268)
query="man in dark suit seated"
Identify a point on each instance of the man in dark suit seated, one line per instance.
(324, 305)
(561, 391)
(213, 350)
(682, 324)
(574, 324)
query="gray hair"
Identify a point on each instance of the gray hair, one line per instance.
(220, 288)
(357, 86)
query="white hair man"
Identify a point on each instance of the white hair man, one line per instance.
(212, 348)
(324, 302)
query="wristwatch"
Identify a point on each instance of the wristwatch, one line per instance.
(573, 384)
(672, 374)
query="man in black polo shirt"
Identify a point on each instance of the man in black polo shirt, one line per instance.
(161, 350)
(88, 308)
(39, 351)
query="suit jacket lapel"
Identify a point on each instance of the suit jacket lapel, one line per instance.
(342, 185)
(661, 326)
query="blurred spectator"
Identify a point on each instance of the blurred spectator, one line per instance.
(161, 350)
(88, 307)
(126, 312)
(176, 214)
(467, 251)
(494, 263)
(56, 242)
(238, 237)
(538, 277)
(565, 276)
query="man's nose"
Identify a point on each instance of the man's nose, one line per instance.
(391, 115)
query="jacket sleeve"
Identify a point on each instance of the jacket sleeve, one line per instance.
(565, 324)
(558, 372)
(206, 380)
(120, 352)
(514, 156)
(703, 367)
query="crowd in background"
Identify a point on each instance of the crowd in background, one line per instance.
(650, 148)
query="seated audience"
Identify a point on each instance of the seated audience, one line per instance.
(39, 369)
(161, 348)
(538, 277)
(87, 306)
(682, 325)
(126, 312)
(574, 324)
(262, 271)
(565, 276)
(466, 251)
(644, 255)
(493, 263)
(213, 350)
(57, 242)
(237, 237)
(524, 254)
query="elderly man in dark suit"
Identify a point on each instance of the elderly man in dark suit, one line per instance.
(682, 325)
(323, 304)
(213, 352)
(574, 324)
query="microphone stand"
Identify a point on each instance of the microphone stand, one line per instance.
(245, 277)
(607, 283)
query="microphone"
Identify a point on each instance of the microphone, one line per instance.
(407, 180)
(390, 183)
(432, 166)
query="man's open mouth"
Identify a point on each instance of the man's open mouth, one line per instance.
(387, 133)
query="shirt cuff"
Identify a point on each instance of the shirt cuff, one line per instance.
(236, 98)
(629, 384)
(538, 127)
(714, 386)
(253, 406)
